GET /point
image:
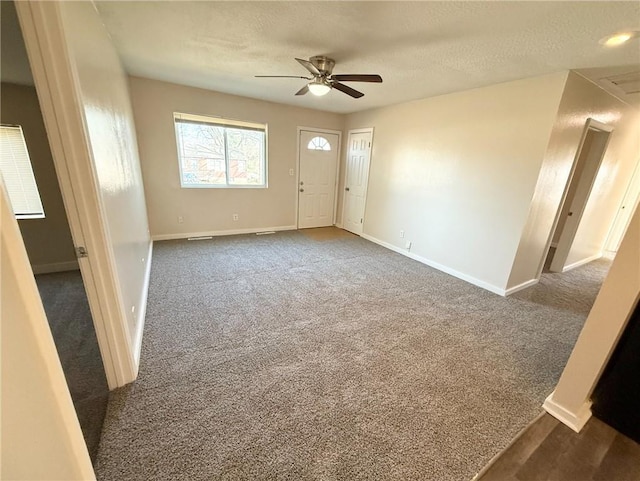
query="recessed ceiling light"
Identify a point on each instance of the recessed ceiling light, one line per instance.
(617, 39)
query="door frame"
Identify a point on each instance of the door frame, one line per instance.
(590, 124)
(56, 86)
(346, 172)
(299, 129)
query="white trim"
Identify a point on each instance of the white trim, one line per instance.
(299, 129)
(435, 265)
(582, 262)
(142, 313)
(575, 421)
(216, 233)
(339, 226)
(55, 267)
(519, 287)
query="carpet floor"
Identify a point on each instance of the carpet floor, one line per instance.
(65, 303)
(317, 355)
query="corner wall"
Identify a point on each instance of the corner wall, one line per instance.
(210, 211)
(616, 301)
(581, 100)
(41, 436)
(457, 174)
(48, 241)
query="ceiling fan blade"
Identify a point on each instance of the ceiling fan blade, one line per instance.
(357, 78)
(309, 66)
(347, 90)
(282, 76)
(303, 90)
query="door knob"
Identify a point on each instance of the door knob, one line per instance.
(570, 214)
(347, 189)
(301, 190)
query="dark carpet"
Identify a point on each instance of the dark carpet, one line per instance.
(319, 355)
(65, 303)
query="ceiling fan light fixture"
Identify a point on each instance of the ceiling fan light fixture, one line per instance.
(319, 87)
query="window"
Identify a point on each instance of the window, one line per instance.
(215, 152)
(319, 143)
(17, 173)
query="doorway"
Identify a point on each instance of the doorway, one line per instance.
(317, 169)
(571, 250)
(46, 233)
(356, 179)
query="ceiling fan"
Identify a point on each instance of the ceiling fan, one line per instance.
(324, 80)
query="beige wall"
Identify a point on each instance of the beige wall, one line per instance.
(457, 173)
(41, 437)
(211, 210)
(48, 240)
(580, 100)
(104, 98)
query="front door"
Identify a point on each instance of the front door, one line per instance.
(357, 176)
(317, 182)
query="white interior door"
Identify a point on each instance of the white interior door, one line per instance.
(627, 208)
(317, 180)
(357, 176)
(592, 152)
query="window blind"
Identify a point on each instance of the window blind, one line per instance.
(201, 119)
(17, 173)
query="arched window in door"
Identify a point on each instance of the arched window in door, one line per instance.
(319, 143)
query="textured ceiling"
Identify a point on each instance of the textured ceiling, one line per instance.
(421, 49)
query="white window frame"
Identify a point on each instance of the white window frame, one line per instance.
(222, 122)
(26, 179)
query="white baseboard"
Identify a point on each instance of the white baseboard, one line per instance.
(55, 267)
(582, 262)
(142, 312)
(216, 233)
(339, 226)
(435, 265)
(519, 287)
(575, 421)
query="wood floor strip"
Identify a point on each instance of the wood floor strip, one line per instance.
(549, 451)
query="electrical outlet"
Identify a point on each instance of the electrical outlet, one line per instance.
(401, 234)
(235, 217)
(180, 219)
(407, 245)
(291, 172)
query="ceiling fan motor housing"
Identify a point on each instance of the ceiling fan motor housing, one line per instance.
(322, 63)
